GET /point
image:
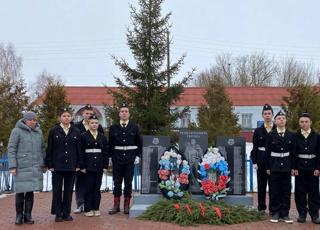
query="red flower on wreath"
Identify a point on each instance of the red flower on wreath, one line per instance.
(214, 173)
(183, 178)
(163, 174)
(208, 186)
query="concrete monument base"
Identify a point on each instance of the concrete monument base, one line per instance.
(142, 201)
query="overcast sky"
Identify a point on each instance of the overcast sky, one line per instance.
(74, 38)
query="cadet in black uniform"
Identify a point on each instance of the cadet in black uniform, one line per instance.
(281, 154)
(125, 149)
(258, 154)
(83, 126)
(307, 175)
(63, 160)
(94, 151)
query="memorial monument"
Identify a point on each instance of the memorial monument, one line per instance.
(152, 149)
(193, 144)
(234, 150)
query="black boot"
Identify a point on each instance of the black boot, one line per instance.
(315, 219)
(19, 208)
(18, 219)
(116, 206)
(28, 208)
(126, 205)
(302, 217)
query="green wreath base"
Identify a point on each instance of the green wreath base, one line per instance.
(166, 211)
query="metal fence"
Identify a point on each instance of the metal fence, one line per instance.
(7, 183)
(6, 180)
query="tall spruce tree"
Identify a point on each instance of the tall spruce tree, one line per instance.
(217, 117)
(303, 98)
(145, 87)
(13, 102)
(55, 98)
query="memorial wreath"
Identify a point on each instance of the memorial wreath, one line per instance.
(173, 174)
(189, 212)
(213, 173)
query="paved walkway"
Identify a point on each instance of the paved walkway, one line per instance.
(44, 220)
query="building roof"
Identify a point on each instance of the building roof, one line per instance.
(240, 96)
(192, 96)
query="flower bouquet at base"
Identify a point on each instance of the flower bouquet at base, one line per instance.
(173, 174)
(213, 174)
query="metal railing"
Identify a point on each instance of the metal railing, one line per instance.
(250, 174)
(7, 183)
(6, 180)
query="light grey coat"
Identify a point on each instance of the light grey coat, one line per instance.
(26, 153)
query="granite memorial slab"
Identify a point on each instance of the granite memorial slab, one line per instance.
(153, 148)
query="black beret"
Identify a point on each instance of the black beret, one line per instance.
(63, 110)
(124, 105)
(280, 113)
(307, 115)
(88, 107)
(267, 107)
(93, 116)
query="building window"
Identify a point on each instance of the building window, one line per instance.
(185, 121)
(247, 120)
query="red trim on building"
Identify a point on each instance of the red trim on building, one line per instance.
(248, 136)
(192, 96)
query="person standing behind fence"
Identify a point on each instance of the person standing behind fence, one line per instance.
(83, 126)
(125, 149)
(26, 154)
(94, 151)
(259, 157)
(307, 173)
(63, 160)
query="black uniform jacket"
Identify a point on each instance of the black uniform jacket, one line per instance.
(94, 161)
(259, 139)
(276, 143)
(79, 125)
(63, 150)
(308, 146)
(128, 136)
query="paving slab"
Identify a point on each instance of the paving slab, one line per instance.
(44, 220)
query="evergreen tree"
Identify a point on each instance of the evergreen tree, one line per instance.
(13, 102)
(54, 99)
(301, 99)
(217, 117)
(145, 87)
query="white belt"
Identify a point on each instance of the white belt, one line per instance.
(273, 154)
(307, 156)
(125, 147)
(262, 148)
(93, 150)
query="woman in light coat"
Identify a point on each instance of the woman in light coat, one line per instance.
(26, 153)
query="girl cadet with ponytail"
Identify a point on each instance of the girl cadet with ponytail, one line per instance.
(63, 160)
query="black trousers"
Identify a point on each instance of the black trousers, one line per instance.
(92, 196)
(80, 187)
(306, 184)
(62, 204)
(122, 172)
(263, 179)
(280, 193)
